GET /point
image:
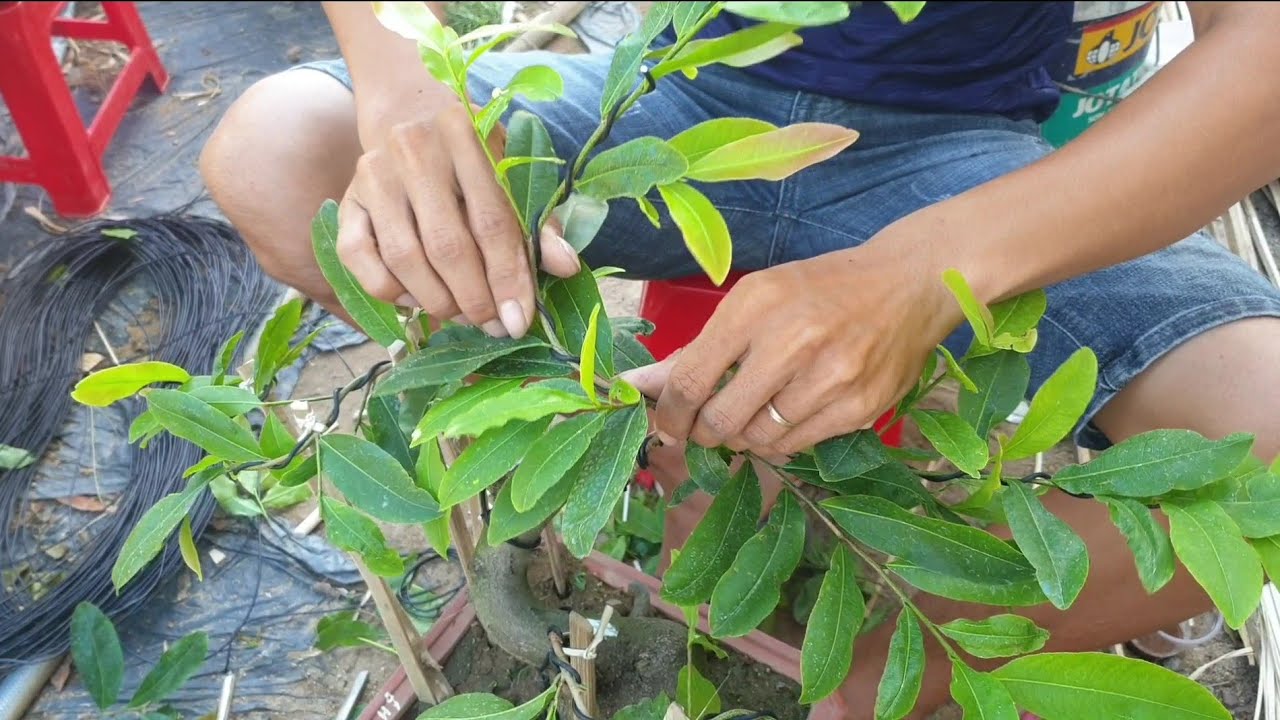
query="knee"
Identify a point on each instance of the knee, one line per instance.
(284, 146)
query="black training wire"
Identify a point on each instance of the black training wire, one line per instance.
(204, 286)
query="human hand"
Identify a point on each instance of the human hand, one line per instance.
(832, 342)
(424, 223)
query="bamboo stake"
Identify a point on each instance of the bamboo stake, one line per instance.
(581, 635)
(424, 673)
(559, 573)
(1260, 244)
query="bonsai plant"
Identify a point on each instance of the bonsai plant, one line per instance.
(541, 432)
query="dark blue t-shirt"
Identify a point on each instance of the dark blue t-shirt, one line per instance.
(966, 57)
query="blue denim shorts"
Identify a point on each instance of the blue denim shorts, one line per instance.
(1129, 314)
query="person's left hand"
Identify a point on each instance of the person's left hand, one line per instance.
(829, 343)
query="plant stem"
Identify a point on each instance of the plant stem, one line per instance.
(839, 532)
(380, 646)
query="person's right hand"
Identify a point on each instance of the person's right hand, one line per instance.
(425, 224)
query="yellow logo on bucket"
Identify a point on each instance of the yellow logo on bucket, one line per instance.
(1111, 42)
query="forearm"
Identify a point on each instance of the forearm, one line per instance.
(1170, 158)
(386, 72)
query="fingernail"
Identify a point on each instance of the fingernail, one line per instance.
(460, 320)
(406, 300)
(571, 254)
(495, 329)
(513, 318)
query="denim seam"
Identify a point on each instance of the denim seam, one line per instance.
(782, 192)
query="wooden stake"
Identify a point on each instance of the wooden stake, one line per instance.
(580, 636)
(551, 545)
(424, 673)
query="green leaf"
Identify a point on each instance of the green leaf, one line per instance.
(488, 118)
(571, 301)
(1057, 686)
(282, 496)
(949, 548)
(351, 531)
(581, 218)
(373, 481)
(275, 439)
(804, 14)
(956, 372)
(1023, 591)
(707, 469)
(892, 481)
(903, 670)
(978, 314)
(711, 548)
(629, 354)
(1014, 320)
(187, 546)
(533, 402)
(172, 670)
(1268, 550)
(478, 706)
(980, 695)
(1147, 541)
(997, 636)
(601, 476)
(429, 475)
(119, 233)
(1210, 546)
(96, 652)
(444, 412)
(710, 135)
(1001, 379)
(227, 492)
(384, 430)
(1056, 407)
(587, 364)
(537, 83)
(1055, 550)
(650, 212)
(705, 232)
(629, 54)
(531, 185)
(1252, 499)
(226, 399)
(342, 630)
(827, 651)
(748, 593)
(192, 419)
(508, 30)
(524, 364)
(632, 169)
(486, 460)
(414, 21)
(655, 709)
(848, 456)
(443, 364)
(105, 387)
(226, 356)
(906, 11)
(12, 458)
(551, 457)
(505, 522)
(624, 392)
(696, 695)
(1154, 463)
(687, 15)
(507, 163)
(773, 155)
(377, 318)
(954, 438)
(740, 48)
(273, 343)
(299, 472)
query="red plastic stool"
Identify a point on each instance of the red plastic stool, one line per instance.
(679, 309)
(62, 155)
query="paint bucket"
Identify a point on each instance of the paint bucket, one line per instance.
(1106, 57)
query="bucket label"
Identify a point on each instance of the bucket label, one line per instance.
(1109, 43)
